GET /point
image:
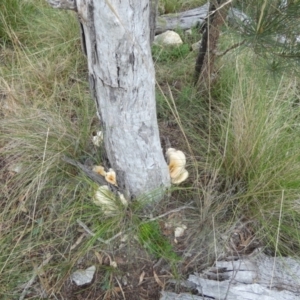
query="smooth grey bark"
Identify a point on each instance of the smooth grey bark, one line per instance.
(122, 82)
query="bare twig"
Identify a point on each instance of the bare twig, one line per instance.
(169, 212)
(114, 237)
(232, 47)
(90, 232)
(120, 286)
(78, 241)
(222, 5)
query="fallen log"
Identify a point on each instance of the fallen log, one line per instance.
(183, 20)
(254, 277)
(194, 17)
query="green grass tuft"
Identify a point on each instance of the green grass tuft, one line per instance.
(150, 236)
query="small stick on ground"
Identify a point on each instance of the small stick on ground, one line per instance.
(89, 231)
(120, 286)
(78, 241)
(168, 212)
(93, 234)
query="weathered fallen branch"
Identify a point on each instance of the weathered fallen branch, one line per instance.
(254, 277)
(183, 20)
(195, 17)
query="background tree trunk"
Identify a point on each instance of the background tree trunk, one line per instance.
(122, 82)
(152, 18)
(209, 43)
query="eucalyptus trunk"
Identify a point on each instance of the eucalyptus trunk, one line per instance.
(122, 82)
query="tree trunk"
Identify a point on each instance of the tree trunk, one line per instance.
(122, 82)
(208, 48)
(152, 18)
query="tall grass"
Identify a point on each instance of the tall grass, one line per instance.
(261, 152)
(15, 15)
(46, 112)
(245, 147)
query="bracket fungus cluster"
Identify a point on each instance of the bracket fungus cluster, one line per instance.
(109, 176)
(104, 197)
(177, 162)
(108, 201)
